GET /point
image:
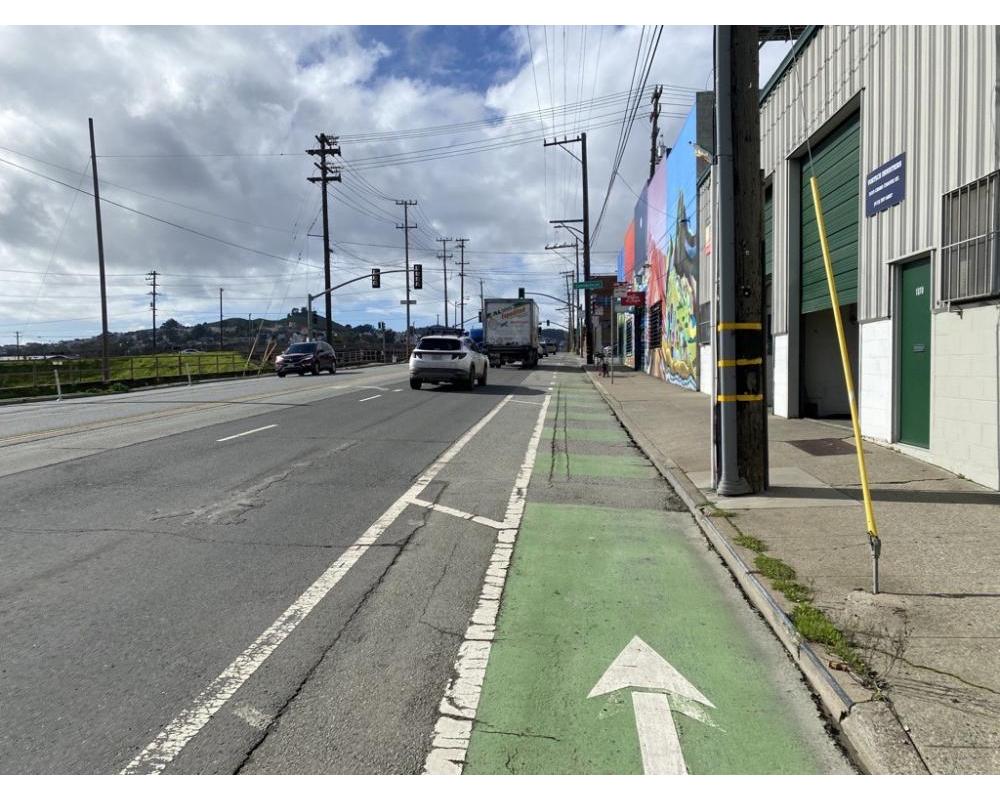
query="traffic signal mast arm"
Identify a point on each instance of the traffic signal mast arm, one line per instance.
(311, 297)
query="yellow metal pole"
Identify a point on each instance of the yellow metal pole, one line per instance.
(845, 360)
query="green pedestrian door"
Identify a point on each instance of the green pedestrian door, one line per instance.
(915, 354)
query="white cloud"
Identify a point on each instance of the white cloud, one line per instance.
(210, 91)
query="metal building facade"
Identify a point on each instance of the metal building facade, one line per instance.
(927, 91)
(927, 97)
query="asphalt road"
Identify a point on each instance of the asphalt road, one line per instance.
(154, 547)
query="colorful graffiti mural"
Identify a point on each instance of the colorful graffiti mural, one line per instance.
(660, 257)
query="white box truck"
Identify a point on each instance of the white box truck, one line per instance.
(510, 331)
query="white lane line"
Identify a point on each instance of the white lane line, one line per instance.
(528, 402)
(366, 399)
(246, 433)
(380, 388)
(490, 523)
(397, 390)
(461, 696)
(158, 754)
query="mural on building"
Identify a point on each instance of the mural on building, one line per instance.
(660, 258)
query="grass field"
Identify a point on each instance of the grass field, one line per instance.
(18, 378)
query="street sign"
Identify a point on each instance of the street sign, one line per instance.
(633, 299)
(587, 285)
(407, 302)
(652, 680)
(621, 289)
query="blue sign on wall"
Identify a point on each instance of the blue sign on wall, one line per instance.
(885, 186)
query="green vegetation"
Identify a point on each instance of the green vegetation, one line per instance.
(815, 626)
(750, 543)
(27, 378)
(774, 568)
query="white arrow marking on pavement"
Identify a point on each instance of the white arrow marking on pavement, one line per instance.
(640, 667)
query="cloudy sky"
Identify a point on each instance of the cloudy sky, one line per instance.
(200, 138)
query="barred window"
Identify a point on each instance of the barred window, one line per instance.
(970, 221)
(655, 325)
(705, 323)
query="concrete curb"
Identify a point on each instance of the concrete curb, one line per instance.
(870, 730)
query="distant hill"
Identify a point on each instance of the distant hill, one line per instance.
(238, 334)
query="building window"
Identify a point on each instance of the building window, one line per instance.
(705, 323)
(970, 221)
(655, 326)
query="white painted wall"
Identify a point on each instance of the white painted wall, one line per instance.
(876, 390)
(965, 408)
(706, 369)
(780, 360)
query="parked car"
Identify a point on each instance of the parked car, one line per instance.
(304, 357)
(550, 346)
(448, 359)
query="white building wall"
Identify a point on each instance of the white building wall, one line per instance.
(780, 359)
(964, 393)
(876, 389)
(706, 369)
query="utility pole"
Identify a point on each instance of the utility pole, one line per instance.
(444, 263)
(17, 347)
(220, 320)
(588, 332)
(105, 371)
(461, 275)
(151, 277)
(406, 228)
(654, 117)
(327, 147)
(740, 330)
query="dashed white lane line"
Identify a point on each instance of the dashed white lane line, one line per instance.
(246, 433)
(461, 696)
(490, 523)
(397, 390)
(158, 754)
(366, 399)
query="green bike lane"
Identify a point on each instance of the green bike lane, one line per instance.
(614, 611)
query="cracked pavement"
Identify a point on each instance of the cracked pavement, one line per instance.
(138, 560)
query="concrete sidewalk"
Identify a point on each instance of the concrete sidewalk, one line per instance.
(926, 649)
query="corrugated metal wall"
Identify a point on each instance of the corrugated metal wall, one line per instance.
(927, 91)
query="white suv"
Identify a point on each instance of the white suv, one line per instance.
(447, 359)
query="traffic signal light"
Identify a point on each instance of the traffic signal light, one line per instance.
(376, 277)
(418, 276)
(520, 293)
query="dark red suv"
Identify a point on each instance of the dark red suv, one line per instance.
(306, 357)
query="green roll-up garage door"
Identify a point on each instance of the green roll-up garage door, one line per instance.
(768, 231)
(837, 162)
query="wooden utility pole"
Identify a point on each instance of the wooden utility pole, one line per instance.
(105, 371)
(654, 117)
(220, 320)
(741, 355)
(444, 263)
(151, 277)
(461, 285)
(327, 147)
(406, 227)
(589, 331)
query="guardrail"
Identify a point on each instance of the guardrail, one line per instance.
(40, 377)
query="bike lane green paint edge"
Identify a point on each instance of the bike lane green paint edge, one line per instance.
(583, 581)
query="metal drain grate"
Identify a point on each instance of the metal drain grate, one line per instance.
(824, 447)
